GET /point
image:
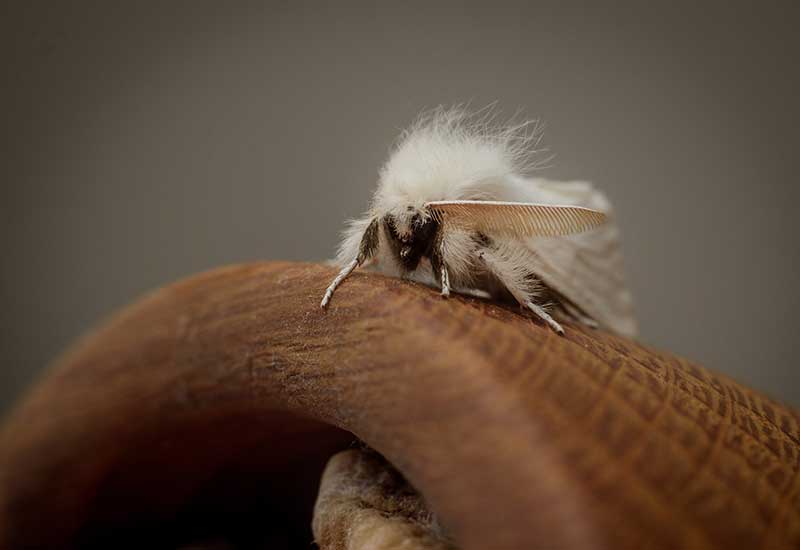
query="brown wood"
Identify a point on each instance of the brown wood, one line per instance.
(224, 394)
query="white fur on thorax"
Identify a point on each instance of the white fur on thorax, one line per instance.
(449, 154)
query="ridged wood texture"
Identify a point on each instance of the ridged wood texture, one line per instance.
(229, 384)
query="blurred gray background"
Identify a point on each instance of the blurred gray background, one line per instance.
(144, 143)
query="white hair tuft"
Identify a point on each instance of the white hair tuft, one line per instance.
(452, 153)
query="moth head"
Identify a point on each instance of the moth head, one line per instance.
(410, 232)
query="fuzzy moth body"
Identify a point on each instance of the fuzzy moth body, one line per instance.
(454, 208)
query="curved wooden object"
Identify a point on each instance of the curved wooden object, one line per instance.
(215, 402)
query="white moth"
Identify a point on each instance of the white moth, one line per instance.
(455, 209)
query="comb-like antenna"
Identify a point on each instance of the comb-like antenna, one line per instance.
(516, 219)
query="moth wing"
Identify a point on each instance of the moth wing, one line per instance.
(584, 264)
(586, 268)
(515, 219)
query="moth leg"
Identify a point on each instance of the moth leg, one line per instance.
(544, 316)
(343, 274)
(444, 275)
(510, 278)
(445, 282)
(438, 266)
(474, 292)
(369, 243)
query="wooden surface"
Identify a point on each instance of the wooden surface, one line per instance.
(213, 404)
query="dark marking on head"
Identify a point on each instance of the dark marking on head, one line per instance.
(410, 247)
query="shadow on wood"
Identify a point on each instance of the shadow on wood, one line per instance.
(211, 405)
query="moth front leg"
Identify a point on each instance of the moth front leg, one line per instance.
(516, 282)
(369, 243)
(438, 264)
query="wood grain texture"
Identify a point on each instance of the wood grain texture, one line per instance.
(207, 395)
